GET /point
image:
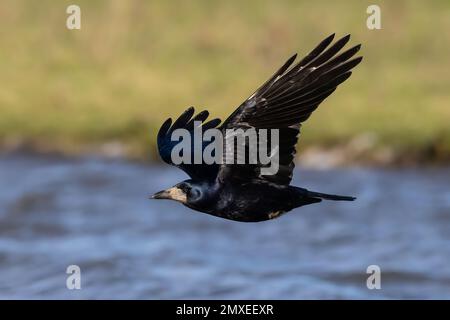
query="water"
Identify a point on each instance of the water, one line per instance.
(95, 214)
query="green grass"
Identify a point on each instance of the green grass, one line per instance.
(135, 63)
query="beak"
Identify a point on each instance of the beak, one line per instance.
(161, 195)
(173, 193)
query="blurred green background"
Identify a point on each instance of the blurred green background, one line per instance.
(135, 63)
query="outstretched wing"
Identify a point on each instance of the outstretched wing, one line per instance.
(286, 100)
(186, 121)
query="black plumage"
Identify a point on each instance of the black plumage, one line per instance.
(240, 191)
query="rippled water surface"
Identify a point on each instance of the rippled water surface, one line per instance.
(95, 214)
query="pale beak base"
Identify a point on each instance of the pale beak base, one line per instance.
(173, 193)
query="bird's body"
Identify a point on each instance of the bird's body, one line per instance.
(245, 192)
(254, 202)
(251, 201)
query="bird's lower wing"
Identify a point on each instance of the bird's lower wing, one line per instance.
(166, 145)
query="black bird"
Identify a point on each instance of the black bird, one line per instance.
(239, 191)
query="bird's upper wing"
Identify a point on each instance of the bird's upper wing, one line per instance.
(186, 121)
(286, 100)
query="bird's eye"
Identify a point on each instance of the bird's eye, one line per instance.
(193, 193)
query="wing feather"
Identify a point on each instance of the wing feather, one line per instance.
(187, 121)
(288, 99)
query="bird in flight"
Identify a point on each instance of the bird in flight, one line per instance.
(241, 192)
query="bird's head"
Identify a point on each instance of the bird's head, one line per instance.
(185, 192)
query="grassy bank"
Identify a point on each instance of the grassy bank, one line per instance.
(135, 63)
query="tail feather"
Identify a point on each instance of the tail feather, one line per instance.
(330, 196)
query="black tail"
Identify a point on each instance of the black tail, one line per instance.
(330, 196)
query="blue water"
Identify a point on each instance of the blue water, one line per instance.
(95, 214)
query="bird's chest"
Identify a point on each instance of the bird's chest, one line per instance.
(250, 203)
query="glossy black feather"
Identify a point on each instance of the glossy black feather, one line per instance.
(288, 98)
(166, 145)
(293, 96)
